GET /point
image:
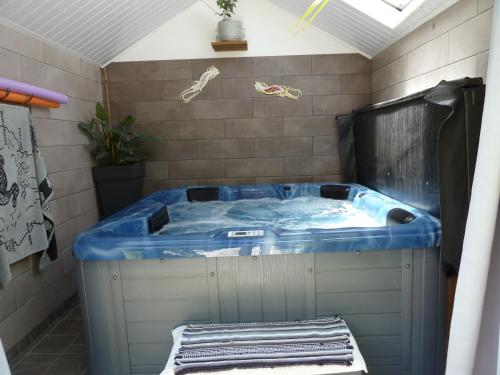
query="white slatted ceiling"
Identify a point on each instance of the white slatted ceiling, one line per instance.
(96, 29)
(358, 29)
(101, 29)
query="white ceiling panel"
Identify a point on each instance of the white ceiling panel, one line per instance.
(96, 29)
(101, 29)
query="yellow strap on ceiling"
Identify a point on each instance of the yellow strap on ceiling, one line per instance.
(303, 22)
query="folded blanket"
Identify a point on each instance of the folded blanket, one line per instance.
(26, 224)
(216, 347)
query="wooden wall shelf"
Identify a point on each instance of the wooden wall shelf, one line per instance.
(230, 45)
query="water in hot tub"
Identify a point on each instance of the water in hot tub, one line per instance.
(294, 214)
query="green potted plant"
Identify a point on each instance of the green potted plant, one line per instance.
(120, 154)
(228, 29)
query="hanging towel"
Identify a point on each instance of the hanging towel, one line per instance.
(26, 223)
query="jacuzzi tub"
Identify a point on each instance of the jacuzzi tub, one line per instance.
(268, 252)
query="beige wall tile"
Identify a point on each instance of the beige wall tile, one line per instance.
(63, 158)
(58, 133)
(43, 75)
(27, 286)
(471, 38)
(401, 89)
(27, 300)
(482, 65)
(460, 69)
(71, 181)
(396, 71)
(260, 167)
(10, 66)
(222, 108)
(21, 43)
(430, 56)
(7, 301)
(483, 5)
(62, 59)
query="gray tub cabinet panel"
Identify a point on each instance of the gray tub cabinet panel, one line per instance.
(390, 299)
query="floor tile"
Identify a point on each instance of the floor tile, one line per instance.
(30, 368)
(52, 344)
(69, 364)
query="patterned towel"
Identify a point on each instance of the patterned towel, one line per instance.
(249, 345)
(26, 223)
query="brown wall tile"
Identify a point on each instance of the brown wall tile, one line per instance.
(281, 65)
(315, 165)
(225, 148)
(163, 110)
(340, 64)
(228, 67)
(280, 107)
(194, 169)
(223, 108)
(254, 167)
(315, 85)
(253, 128)
(289, 146)
(309, 126)
(338, 104)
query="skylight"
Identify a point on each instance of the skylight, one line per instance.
(388, 12)
(398, 4)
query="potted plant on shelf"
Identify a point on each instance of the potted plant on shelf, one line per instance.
(120, 154)
(228, 29)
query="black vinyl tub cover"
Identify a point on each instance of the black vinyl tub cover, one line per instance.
(421, 150)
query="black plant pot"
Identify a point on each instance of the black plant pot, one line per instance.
(118, 186)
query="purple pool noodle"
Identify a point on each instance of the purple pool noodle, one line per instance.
(27, 89)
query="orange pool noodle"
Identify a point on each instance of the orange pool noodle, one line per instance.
(13, 97)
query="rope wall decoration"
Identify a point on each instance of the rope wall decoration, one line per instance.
(197, 87)
(312, 12)
(278, 90)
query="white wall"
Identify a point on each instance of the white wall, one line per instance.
(189, 34)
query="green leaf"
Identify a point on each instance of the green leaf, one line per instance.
(100, 112)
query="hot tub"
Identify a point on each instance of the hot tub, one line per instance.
(262, 253)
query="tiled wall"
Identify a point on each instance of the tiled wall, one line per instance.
(232, 134)
(31, 296)
(452, 45)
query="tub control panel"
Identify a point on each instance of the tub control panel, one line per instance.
(245, 233)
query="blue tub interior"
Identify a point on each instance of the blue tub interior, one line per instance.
(258, 220)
